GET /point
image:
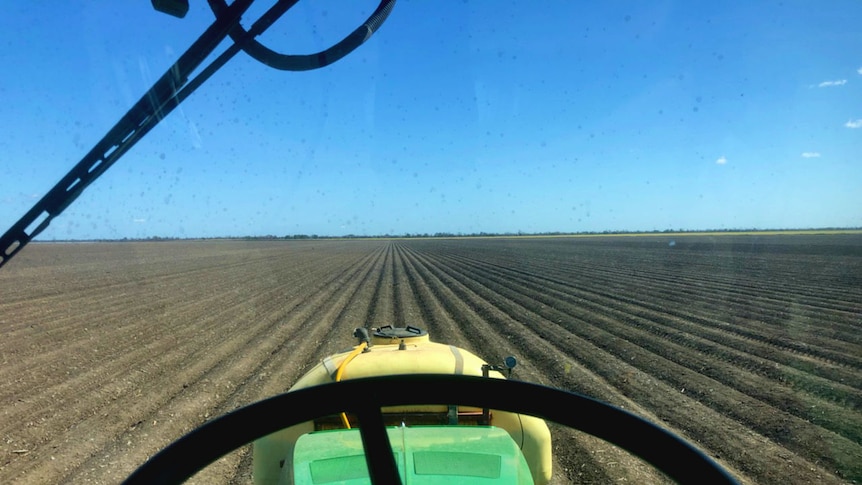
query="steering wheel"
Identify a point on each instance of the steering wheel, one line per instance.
(365, 397)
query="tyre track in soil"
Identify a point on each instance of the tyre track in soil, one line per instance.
(724, 436)
(799, 356)
(731, 393)
(203, 356)
(120, 347)
(578, 457)
(691, 338)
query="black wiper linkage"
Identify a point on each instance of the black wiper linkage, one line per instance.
(169, 91)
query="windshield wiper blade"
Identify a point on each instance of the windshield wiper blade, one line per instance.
(168, 92)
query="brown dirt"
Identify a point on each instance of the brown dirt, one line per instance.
(748, 346)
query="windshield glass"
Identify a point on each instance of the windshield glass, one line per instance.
(654, 204)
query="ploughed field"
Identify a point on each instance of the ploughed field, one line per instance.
(749, 346)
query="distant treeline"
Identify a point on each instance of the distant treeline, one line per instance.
(270, 237)
(535, 234)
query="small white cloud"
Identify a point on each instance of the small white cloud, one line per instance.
(138, 220)
(826, 84)
(859, 70)
(810, 154)
(721, 161)
(853, 124)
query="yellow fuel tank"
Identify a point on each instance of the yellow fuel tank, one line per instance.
(404, 351)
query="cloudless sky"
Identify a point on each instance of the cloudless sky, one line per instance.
(455, 117)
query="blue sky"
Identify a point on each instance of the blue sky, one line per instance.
(455, 117)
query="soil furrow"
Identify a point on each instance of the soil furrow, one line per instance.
(688, 335)
(757, 305)
(748, 347)
(733, 387)
(234, 334)
(576, 459)
(655, 392)
(719, 330)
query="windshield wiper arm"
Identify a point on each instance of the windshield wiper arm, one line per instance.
(143, 115)
(168, 92)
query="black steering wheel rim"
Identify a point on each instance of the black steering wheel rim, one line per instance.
(667, 452)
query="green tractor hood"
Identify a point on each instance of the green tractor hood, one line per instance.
(424, 454)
